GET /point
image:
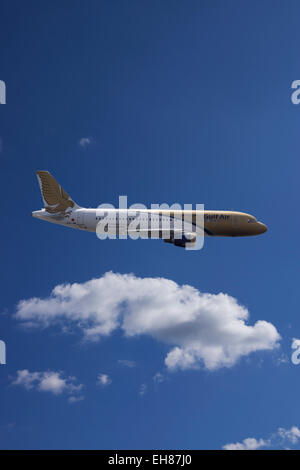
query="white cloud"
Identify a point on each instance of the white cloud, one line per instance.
(126, 363)
(248, 444)
(203, 329)
(48, 381)
(103, 380)
(279, 439)
(52, 382)
(85, 142)
(27, 379)
(292, 435)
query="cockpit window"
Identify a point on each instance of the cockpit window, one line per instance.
(252, 220)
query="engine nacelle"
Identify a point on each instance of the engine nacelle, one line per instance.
(186, 239)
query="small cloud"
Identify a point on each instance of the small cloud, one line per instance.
(50, 381)
(26, 379)
(104, 380)
(158, 378)
(85, 142)
(248, 444)
(126, 363)
(280, 439)
(143, 389)
(292, 435)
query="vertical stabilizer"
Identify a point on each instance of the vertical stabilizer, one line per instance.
(56, 199)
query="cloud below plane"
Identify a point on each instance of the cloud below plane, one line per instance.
(207, 330)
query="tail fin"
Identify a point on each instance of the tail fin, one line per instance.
(55, 198)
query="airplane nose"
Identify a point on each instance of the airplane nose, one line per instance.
(262, 227)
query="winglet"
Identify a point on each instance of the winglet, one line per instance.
(55, 198)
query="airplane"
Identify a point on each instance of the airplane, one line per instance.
(178, 227)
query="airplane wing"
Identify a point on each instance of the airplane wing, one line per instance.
(176, 237)
(170, 230)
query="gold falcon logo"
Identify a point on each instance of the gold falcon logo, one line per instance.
(55, 197)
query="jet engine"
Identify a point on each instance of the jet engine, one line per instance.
(186, 239)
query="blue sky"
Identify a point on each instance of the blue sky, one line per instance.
(186, 102)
